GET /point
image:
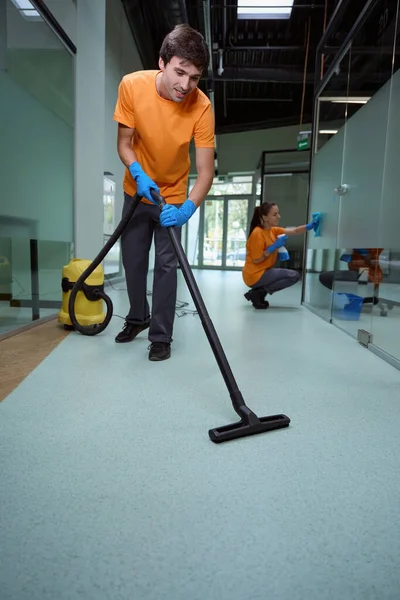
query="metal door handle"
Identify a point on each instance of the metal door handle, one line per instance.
(341, 190)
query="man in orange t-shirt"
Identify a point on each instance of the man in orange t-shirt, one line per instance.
(158, 114)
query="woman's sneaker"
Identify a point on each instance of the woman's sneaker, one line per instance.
(256, 297)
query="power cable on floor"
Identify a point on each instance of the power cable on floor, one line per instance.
(180, 306)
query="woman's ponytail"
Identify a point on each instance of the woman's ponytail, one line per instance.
(256, 220)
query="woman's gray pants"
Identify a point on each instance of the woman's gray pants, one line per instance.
(274, 280)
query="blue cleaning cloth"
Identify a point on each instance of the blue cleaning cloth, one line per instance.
(317, 230)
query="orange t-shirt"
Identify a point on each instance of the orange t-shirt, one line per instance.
(258, 241)
(163, 131)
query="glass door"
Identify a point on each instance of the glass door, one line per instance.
(351, 275)
(363, 171)
(326, 190)
(213, 228)
(215, 237)
(237, 226)
(385, 328)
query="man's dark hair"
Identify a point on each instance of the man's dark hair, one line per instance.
(186, 43)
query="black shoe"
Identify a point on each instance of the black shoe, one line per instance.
(263, 304)
(256, 297)
(159, 351)
(129, 332)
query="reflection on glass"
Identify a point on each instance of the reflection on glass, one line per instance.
(15, 283)
(37, 130)
(52, 256)
(354, 286)
(213, 232)
(236, 234)
(19, 301)
(318, 296)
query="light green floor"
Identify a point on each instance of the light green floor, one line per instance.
(111, 489)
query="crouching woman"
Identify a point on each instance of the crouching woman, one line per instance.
(263, 243)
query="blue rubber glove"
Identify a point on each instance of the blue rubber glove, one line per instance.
(313, 224)
(176, 217)
(279, 242)
(143, 182)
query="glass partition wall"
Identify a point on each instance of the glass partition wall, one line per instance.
(36, 165)
(353, 268)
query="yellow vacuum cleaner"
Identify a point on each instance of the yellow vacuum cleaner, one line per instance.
(88, 303)
(83, 287)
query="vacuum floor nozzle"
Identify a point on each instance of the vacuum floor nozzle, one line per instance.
(243, 428)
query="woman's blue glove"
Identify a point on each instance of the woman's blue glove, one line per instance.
(143, 182)
(313, 225)
(279, 242)
(176, 217)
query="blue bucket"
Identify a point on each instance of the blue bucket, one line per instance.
(347, 307)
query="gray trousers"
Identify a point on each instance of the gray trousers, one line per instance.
(135, 246)
(274, 280)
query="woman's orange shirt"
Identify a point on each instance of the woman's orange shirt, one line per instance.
(258, 241)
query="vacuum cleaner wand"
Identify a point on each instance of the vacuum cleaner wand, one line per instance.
(249, 423)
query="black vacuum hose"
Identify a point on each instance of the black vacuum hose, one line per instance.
(97, 294)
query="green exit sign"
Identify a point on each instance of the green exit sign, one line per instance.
(302, 144)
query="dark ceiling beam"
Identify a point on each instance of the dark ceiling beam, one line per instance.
(266, 74)
(367, 50)
(231, 48)
(257, 99)
(295, 6)
(363, 15)
(278, 75)
(334, 22)
(157, 16)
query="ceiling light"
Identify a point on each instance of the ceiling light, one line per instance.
(31, 13)
(264, 9)
(351, 101)
(27, 10)
(345, 99)
(23, 4)
(328, 131)
(279, 175)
